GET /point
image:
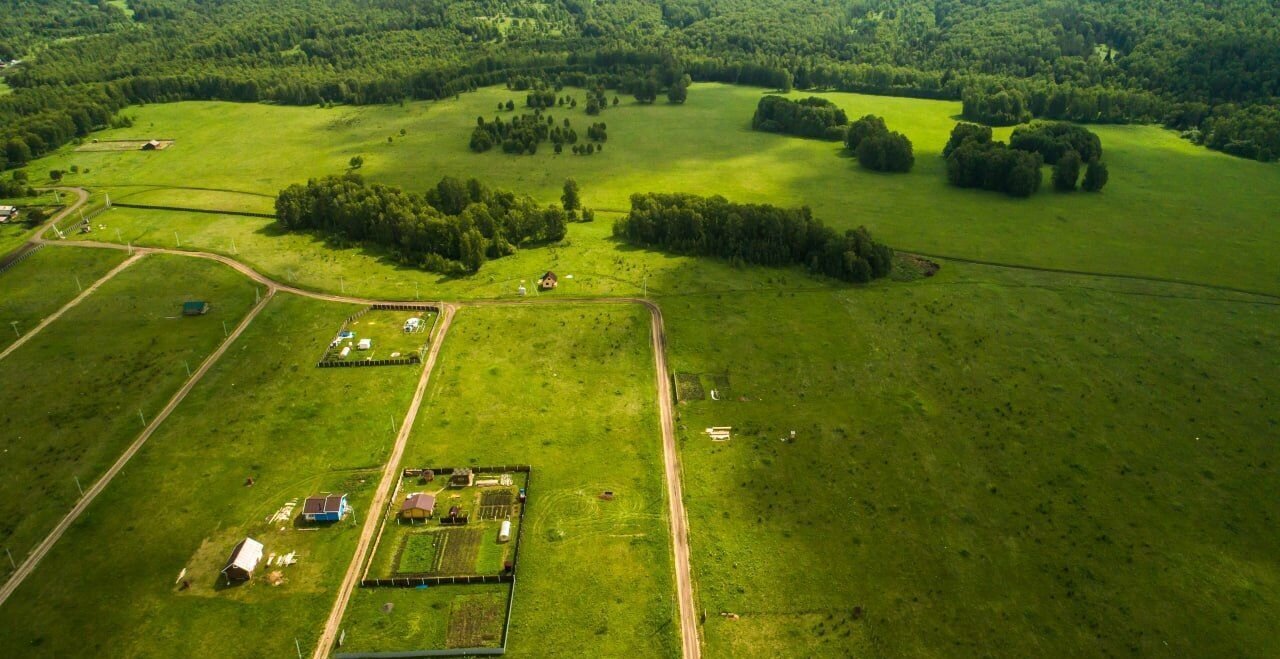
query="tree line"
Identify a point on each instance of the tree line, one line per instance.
(453, 228)
(757, 234)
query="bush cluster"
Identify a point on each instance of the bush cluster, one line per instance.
(807, 117)
(877, 147)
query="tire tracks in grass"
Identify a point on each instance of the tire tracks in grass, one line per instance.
(33, 559)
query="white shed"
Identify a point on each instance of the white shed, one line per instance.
(364, 344)
(244, 558)
(504, 533)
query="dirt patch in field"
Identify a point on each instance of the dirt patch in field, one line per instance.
(475, 621)
(910, 267)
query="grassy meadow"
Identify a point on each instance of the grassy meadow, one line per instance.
(569, 391)
(108, 587)
(1171, 209)
(986, 463)
(44, 282)
(73, 393)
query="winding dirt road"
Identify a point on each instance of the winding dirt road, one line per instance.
(691, 648)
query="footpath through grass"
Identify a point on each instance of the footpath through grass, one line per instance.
(986, 463)
(263, 412)
(45, 281)
(568, 390)
(1171, 209)
(73, 394)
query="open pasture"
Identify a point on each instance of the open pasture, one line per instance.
(184, 500)
(79, 392)
(45, 281)
(1157, 203)
(988, 462)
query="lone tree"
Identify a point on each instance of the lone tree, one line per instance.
(571, 199)
(356, 162)
(1066, 172)
(55, 174)
(1095, 176)
(679, 90)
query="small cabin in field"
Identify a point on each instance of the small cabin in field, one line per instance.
(463, 477)
(418, 506)
(548, 281)
(327, 508)
(8, 214)
(244, 558)
(151, 145)
(195, 308)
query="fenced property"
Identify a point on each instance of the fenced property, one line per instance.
(478, 624)
(127, 145)
(382, 335)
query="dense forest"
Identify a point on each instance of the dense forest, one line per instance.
(1209, 69)
(752, 233)
(452, 228)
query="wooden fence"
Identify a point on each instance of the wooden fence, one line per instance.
(459, 580)
(19, 255)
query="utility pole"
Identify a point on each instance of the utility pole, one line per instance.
(233, 246)
(343, 284)
(141, 418)
(57, 198)
(131, 248)
(646, 287)
(176, 241)
(78, 287)
(77, 479)
(119, 238)
(225, 333)
(10, 555)
(297, 645)
(15, 329)
(392, 417)
(187, 366)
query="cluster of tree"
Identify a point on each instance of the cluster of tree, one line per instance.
(1066, 173)
(452, 228)
(583, 149)
(975, 161)
(807, 117)
(16, 185)
(543, 98)
(1008, 60)
(521, 134)
(598, 132)
(1051, 139)
(752, 233)
(596, 101)
(877, 147)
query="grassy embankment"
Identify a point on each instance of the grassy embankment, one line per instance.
(263, 412)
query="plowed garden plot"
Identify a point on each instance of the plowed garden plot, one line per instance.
(475, 621)
(458, 551)
(689, 387)
(496, 505)
(418, 553)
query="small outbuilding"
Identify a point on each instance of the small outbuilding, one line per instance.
(8, 213)
(504, 532)
(462, 477)
(151, 145)
(413, 324)
(364, 344)
(325, 508)
(419, 505)
(548, 281)
(244, 558)
(195, 308)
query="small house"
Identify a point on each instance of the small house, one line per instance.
(244, 558)
(195, 308)
(463, 477)
(413, 324)
(364, 344)
(548, 281)
(8, 213)
(419, 505)
(151, 145)
(327, 508)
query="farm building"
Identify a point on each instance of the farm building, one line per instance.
(412, 324)
(244, 558)
(364, 344)
(463, 477)
(548, 281)
(328, 508)
(195, 308)
(151, 145)
(8, 213)
(419, 505)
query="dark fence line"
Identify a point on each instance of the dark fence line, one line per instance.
(413, 582)
(19, 255)
(405, 654)
(187, 209)
(444, 472)
(406, 307)
(411, 359)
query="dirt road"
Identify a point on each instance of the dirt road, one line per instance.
(378, 506)
(33, 559)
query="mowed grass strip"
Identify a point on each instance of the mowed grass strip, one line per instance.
(986, 463)
(45, 281)
(568, 390)
(73, 394)
(1166, 196)
(263, 412)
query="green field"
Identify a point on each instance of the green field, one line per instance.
(594, 577)
(1157, 204)
(44, 282)
(74, 393)
(182, 502)
(417, 618)
(987, 463)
